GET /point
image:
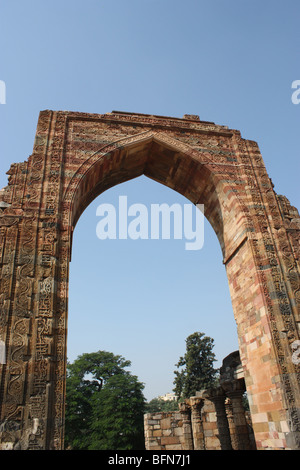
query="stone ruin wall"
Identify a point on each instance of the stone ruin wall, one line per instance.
(214, 419)
(172, 431)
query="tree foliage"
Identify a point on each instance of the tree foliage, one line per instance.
(105, 404)
(196, 371)
(159, 405)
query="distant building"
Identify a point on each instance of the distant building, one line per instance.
(168, 397)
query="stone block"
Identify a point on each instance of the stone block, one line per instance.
(170, 440)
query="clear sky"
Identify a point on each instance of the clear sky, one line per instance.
(231, 62)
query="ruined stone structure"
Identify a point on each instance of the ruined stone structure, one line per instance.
(214, 419)
(77, 156)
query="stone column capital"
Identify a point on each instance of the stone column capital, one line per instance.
(196, 403)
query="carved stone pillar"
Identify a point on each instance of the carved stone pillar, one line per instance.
(187, 438)
(239, 418)
(218, 398)
(197, 424)
(232, 430)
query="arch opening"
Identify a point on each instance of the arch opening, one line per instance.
(184, 276)
(151, 300)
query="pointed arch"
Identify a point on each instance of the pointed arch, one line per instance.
(168, 161)
(76, 157)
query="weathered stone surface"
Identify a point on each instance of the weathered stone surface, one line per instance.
(76, 156)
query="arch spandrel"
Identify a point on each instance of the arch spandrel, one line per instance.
(76, 157)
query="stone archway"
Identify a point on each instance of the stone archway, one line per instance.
(77, 156)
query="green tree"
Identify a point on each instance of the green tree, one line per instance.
(196, 371)
(157, 404)
(105, 404)
(118, 413)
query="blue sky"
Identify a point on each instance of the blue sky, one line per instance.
(230, 62)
